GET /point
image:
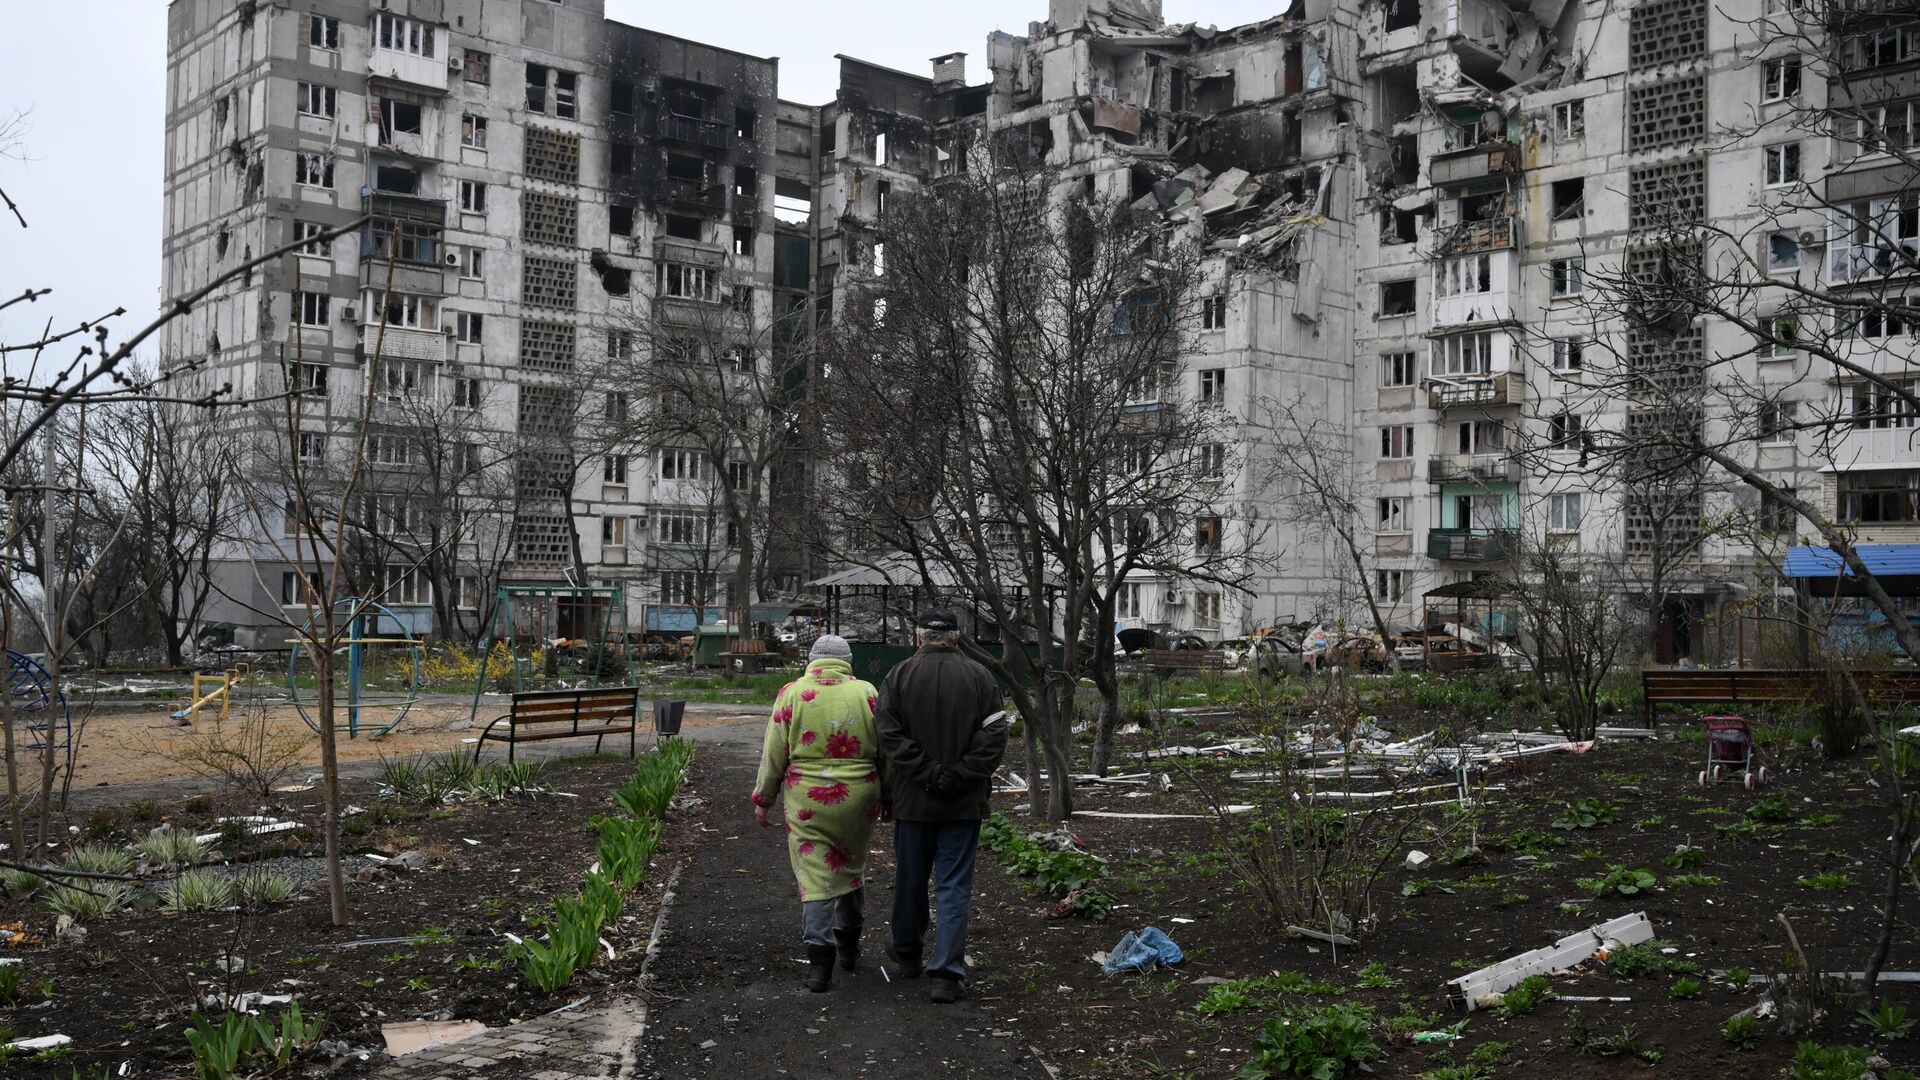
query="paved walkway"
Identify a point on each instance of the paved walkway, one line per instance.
(724, 996)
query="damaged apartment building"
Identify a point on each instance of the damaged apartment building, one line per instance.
(1394, 198)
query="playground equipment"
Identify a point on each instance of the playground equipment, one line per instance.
(380, 682)
(47, 715)
(558, 637)
(222, 692)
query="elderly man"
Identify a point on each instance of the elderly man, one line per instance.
(942, 734)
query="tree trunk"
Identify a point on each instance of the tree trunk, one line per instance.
(1107, 716)
(1899, 851)
(330, 784)
(1057, 700)
(1030, 729)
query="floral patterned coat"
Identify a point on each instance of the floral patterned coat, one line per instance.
(821, 749)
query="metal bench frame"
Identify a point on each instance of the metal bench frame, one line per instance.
(608, 710)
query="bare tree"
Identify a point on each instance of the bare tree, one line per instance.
(996, 406)
(712, 384)
(1312, 472)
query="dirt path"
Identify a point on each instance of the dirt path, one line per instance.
(730, 970)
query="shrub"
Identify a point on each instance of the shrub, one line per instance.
(199, 890)
(88, 902)
(1772, 810)
(246, 751)
(172, 847)
(1889, 1021)
(99, 859)
(1620, 880)
(1524, 998)
(1743, 1031)
(20, 884)
(1737, 979)
(1811, 1061)
(1584, 814)
(262, 888)
(1322, 1043)
(1684, 989)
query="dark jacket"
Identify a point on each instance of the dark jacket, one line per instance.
(929, 717)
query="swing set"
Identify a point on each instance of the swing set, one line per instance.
(558, 637)
(380, 682)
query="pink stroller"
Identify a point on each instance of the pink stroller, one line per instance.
(1730, 746)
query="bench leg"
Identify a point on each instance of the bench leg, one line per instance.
(486, 734)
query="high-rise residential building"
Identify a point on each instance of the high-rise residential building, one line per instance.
(1403, 207)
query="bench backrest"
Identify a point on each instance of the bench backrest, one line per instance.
(605, 706)
(1183, 658)
(1769, 684)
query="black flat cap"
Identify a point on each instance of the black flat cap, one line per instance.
(938, 619)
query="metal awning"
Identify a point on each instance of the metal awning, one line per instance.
(1895, 566)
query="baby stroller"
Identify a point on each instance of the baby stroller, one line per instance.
(1730, 746)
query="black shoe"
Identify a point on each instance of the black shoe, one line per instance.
(909, 968)
(819, 968)
(849, 949)
(945, 991)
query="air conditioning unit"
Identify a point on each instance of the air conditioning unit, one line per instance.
(447, 329)
(453, 260)
(455, 62)
(1808, 238)
(1175, 598)
(350, 313)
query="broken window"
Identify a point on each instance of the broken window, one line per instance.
(1569, 198)
(690, 105)
(620, 219)
(323, 32)
(315, 309)
(397, 179)
(390, 31)
(792, 209)
(1213, 386)
(1569, 354)
(309, 232)
(1396, 441)
(399, 118)
(1396, 369)
(686, 167)
(1213, 313)
(405, 241)
(313, 170)
(617, 280)
(1396, 298)
(1481, 436)
(404, 310)
(1402, 14)
(682, 282)
(1465, 276)
(1398, 226)
(743, 122)
(880, 149)
(1462, 354)
(1213, 93)
(471, 263)
(315, 100)
(1783, 164)
(553, 92)
(1570, 120)
(746, 183)
(1781, 79)
(1783, 250)
(880, 192)
(466, 328)
(622, 103)
(478, 67)
(473, 131)
(620, 160)
(683, 228)
(1568, 276)
(473, 196)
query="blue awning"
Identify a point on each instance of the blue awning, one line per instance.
(1882, 561)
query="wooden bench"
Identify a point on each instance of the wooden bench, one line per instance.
(1169, 662)
(541, 715)
(1738, 686)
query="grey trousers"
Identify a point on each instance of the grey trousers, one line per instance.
(820, 918)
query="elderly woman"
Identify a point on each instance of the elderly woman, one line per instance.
(821, 750)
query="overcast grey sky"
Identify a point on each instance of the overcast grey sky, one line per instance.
(90, 74)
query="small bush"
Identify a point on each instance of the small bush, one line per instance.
(199, 890)
(172, 847)
(1772, 810)
(88, 902)
(1620, 880)
(1742, 1031)
(1645, 960)
(1811, 1061)
(262, 888)
(1737, 979)
(1584, 814)
(1889, 1021)
(1684, 989)
(1374, 977)
(1322, 1043)
(99, 859)
(1524, 998)
(20, 884)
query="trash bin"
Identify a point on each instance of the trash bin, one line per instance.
(667, 716)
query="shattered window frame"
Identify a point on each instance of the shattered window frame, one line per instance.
(1396, 442)
(314, 170)
(1570, 120)
(1567, 277)
(316, 99)
(323, 33)
(473, 131)
(1399, 369)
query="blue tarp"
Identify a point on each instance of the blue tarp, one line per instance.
(1882, 560)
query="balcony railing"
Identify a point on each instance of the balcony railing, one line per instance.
(1472, 469)
(701, 193)
(1486, 164)
(1469, 545)
(688, 129)
(1507, 389)
(1467, 237)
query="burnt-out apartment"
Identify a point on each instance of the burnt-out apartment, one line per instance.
(1400, 203)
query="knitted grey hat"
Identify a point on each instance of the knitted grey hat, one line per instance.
(830, 647)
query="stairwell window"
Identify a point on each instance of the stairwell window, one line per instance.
(313, 170)
(1397, 369)
(1569, 354)
(1570, 120)
(473, 132)
(1213, 313)
(316, 309)
(1780, 79)
(1568, 276)
(1389, 585)
(1391, 515)
(473, 197)
(1213, 387)
(1396, 442)
(1776, 423)
(316, 100)
(1206, 608)
(1563, 512)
